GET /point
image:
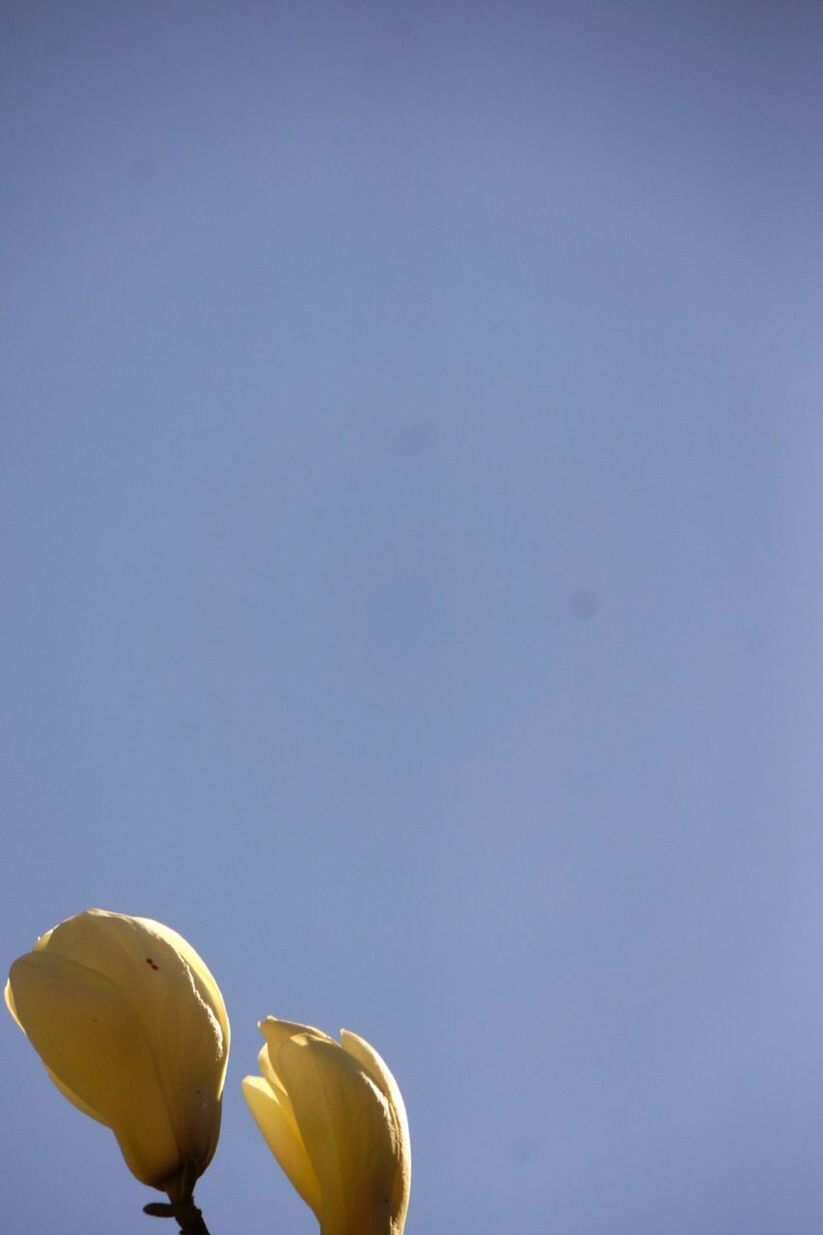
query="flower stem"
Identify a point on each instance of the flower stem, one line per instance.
(194, 1225)
(189, 1218)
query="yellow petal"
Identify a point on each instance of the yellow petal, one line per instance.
(276, 1032)
(276, 1121)
(167, 1026)
(8, 995)
(204, 980)
(376, 1067)
(266, 1066)
(349, 1132)
(73, 1098)
(130, 951)
(368, 1058)
(175, 999)
(84, 1029)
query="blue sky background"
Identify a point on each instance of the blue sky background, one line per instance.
(413, 581)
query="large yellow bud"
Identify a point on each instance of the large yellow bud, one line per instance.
(333, 1117)
(133, 1030)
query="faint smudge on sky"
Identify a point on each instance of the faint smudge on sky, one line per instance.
(417, 437)
(584, 604)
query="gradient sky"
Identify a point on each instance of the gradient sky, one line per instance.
(412, 537)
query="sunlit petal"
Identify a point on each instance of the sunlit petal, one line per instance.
(333, 1116)
(349, 1133)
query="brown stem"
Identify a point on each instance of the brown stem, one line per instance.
(193, 1224)
(189, 1218)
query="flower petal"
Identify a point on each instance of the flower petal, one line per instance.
(375, 1066)
(8, 995)
(349, 1132)
(368, 1058)
(266, 1066)
(85, 1031)
(276, 1121)
(175, 999)
(276, 1032)
(204, 980)
(73, 1098)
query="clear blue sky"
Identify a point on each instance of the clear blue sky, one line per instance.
(413, 581)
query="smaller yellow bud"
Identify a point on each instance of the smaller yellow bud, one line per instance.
(132, 1029)
(333, 1116)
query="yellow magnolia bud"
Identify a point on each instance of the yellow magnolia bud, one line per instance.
(333, 1117)
(132, 1029)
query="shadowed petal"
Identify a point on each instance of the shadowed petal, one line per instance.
(85, 1032)
(375, 1066)
(276, 1121)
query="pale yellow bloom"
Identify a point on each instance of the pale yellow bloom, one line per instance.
(333, 1117)
(132, 1029)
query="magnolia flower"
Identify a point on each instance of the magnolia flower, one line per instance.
(334, 1119)
(132, 1029)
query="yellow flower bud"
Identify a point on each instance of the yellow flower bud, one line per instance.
(333, 1117)
(132, 1029)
